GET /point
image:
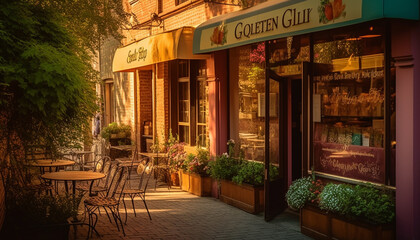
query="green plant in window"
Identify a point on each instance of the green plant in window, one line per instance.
(224, 167)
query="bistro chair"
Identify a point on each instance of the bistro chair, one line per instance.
(130, 162)
(104, 165)
(145, 171)
(108, 202)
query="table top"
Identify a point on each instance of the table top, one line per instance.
(73, 175)
(51, 163)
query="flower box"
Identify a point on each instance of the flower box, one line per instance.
(321, 225)
(196, 184)
(246, 197)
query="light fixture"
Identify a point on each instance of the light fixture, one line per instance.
(135, 25)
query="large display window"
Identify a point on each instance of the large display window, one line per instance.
(348, 104)
(247, 88)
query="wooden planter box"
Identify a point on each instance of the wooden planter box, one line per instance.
(195, 184)
(245, 196)
(320, 225)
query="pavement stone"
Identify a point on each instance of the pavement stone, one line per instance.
(180, 215)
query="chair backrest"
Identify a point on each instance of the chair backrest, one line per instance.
(118, 182)
(146, 173)
(103, 164)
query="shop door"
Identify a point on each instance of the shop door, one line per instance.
(284, 137)
(277, 153)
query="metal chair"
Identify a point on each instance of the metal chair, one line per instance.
(108, 202)
(105, 166)
(130, 162)
(145, 172)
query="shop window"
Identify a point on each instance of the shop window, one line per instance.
(192, 102)
(348, 100)
(184, 101)
(247, 87)
(203, 106)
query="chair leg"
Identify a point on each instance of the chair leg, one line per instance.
(109, 218)
(125, 209)
(132, 202)
(145, 205)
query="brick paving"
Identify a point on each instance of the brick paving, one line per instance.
(180, 215)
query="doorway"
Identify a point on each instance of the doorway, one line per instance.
(285, 140)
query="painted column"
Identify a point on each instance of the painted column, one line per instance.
(406, 53)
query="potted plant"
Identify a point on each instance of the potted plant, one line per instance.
(34, 216)
(240, 182)
(342, 211)
(117, 134)
(176, 158)
(195, 173)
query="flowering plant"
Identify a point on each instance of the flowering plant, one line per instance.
(198, 164)
(176, 156)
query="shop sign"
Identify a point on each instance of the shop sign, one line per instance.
(135, 55)
(357, 162)
(285, 20)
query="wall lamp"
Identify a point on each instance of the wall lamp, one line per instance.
(155, 21)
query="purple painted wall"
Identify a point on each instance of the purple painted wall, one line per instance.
(406, 53)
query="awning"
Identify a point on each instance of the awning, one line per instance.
(176, 44)
(282, 18)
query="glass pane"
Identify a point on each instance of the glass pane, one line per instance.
(202, 101)
(183, 68)
(184, 134)
(202, 136)
(184, 102)
(247, 87)
(348, 105)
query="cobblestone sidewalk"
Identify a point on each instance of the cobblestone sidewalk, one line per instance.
(181, 215)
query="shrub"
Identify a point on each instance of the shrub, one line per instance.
(224, 167)
(299, 193)
(336, 198)
(373, 204)
(253, 173)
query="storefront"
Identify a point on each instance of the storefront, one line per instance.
(336, 78)
(170, 89)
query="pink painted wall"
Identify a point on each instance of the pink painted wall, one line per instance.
(217, 74)
(406, 52)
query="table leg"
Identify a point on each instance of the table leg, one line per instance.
(66, 186)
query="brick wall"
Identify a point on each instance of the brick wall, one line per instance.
(162, 101)
(124, 98)
(144, 104)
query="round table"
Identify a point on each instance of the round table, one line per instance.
(73, 176)
(42, 164)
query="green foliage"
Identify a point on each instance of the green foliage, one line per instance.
(372, 204)
(253, 173)
(224, 167)
(115, 128)
(28, 208)
(336, 198)
(299, 193)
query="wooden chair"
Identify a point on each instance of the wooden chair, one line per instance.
(108, 202)
(145, 172)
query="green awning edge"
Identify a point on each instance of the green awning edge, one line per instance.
(371, 10)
